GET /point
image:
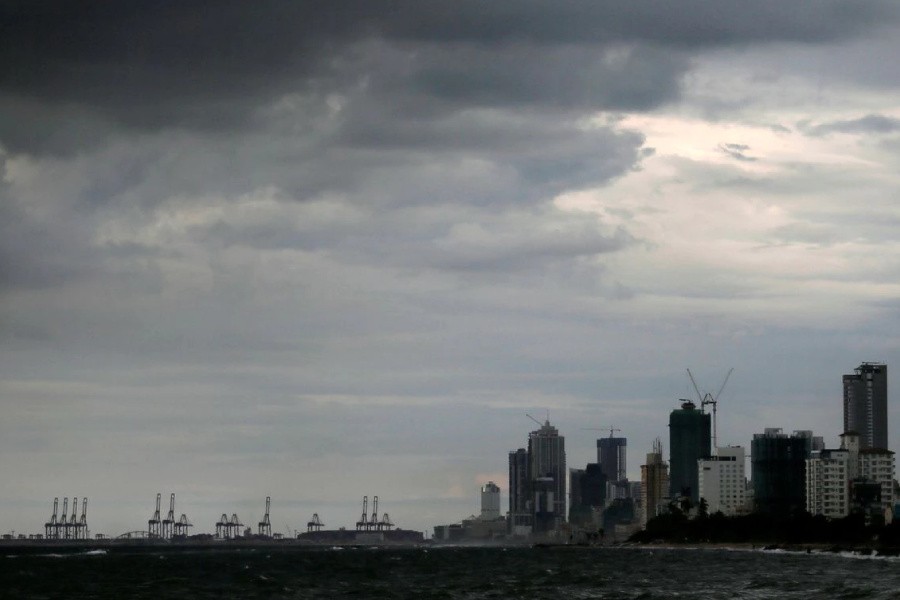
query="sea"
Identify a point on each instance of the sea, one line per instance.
(446, 572)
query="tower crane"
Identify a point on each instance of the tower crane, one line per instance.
(708, 398)
(611, 430)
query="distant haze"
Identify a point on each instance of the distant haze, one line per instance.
(321, 250)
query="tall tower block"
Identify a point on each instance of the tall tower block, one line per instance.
(865, 405)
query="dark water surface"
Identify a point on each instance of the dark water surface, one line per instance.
(445, 573)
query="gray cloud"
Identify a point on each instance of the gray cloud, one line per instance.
(869, 124)
(737, 151)
(148, 66)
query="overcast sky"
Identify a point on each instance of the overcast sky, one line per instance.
(316, 250)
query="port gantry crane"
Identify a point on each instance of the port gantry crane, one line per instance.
(363, 522)
(710, 399)
(265, 526)
(63, 520)
(51, 527)
(314, 524)
(181, 527)
(153, 524)
(222, 527)
(168, 524)
(72, 525)
(235, 526)
(82, 524)
(373, 520)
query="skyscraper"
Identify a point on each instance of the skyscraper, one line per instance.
(519, 492)
(547, 474)
(865, 405)
(689, 441)
(611, 456)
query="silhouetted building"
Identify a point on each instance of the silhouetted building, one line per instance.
(611, 456)
(490, 501)
(778, 471)
(547, 472)
(689, 441)
(520, 508)
(865, 405)
(587, 494)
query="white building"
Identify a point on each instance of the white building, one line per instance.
(877, 465)
(827, 483)
(722, 481)
(831, 474)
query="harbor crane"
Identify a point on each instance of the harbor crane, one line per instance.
(153, 525)
(707, 398)
(182, 526)
(265, 526)
(63, 520)
(72, 525)
(81, 531)
(222, 529)
(168, 524)
(51, 527)
(373, 520)
(363, 522)
(314, 524)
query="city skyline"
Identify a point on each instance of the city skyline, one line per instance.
(315, 250)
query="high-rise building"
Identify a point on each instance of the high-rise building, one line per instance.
(654, 483)
(490, 501)
(689, 441)
(520, 509)
(778, 471)
(865, 405)
(722, 482)
(611, 456)
(547, 474)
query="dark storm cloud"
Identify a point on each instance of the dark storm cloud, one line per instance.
(873, 124)
(209, 64)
